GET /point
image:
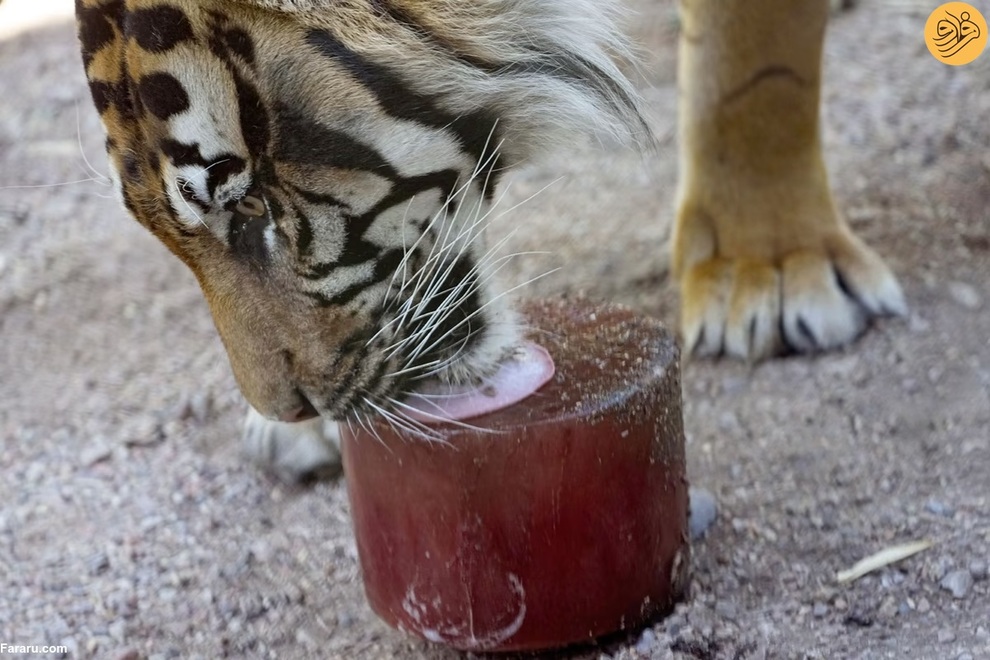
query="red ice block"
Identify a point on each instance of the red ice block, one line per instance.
(566, 523)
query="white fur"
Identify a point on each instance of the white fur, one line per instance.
(539, 109)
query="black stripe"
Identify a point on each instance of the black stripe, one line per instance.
(304, 232)
(255, 125)
(96, 27)
(356, 249)
(405, 18)
(158, 29)
(400, 101)
(302, 140)
(221, 171)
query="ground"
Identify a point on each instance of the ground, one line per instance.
(130, 526)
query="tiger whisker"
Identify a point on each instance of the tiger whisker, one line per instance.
(185, 184)
(468, 318)
(447, 420)
(426, 299)
(450, 305)
(404, 422)
(370, 428)
(101, 178)
(434, 256)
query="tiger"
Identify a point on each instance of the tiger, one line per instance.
(325, 168)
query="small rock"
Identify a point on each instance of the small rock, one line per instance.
(819, 610)
(939, 568)
(728, 422)
(128, 654)
(919, 325)
(97, 563)
(646, 642)
(726, 610)
(940, 508)
(924, 606)
(144, 433)
(958, 583)
(117, 630)
(703, 511)
(910, 385)
(71, 645)
(888, 608)
(93, 454)
(964, 656)
(35, 472)
(675, 624)
(305, 638)
(965, 294)
(946, 636)
(197, 407)
(978, 569)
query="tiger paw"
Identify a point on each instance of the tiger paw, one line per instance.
(297, 452)
(809, 299)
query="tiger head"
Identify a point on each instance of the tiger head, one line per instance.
(326, 170)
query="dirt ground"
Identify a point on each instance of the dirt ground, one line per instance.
(131, 527)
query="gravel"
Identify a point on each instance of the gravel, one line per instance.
(958, 583)
(703, 512)
(131, 526)
(965, 294)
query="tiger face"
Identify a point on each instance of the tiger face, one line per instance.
(327, 171)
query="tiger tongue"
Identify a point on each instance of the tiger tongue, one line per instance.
(526, 371)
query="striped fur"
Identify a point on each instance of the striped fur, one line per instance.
(325, 169)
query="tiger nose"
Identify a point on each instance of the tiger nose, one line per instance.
(306, 411)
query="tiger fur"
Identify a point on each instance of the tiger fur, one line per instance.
(324, 168)
(290, 158)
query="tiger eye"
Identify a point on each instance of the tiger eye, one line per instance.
(251, 206)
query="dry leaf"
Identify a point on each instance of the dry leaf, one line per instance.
(883, 558)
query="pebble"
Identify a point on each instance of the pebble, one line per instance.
(35, 472)
(940, 508)
(958, 583)
(910, 385)
(964, 656)
(819, 610)
(198, 407)
(978, 569)
(726, 610)
(939, 568)
(93, 454)
(888, 608)
(965, 294)
(98, 563)
(919, 325)
(646, 642)
(924, 606)
(703, 511)
(117, 630)
(728, 422)
(946, 636)
(144, 433)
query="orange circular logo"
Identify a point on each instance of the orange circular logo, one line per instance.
(956, 33)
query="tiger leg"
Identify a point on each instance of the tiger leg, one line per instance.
(293, 452)
(764, 261)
